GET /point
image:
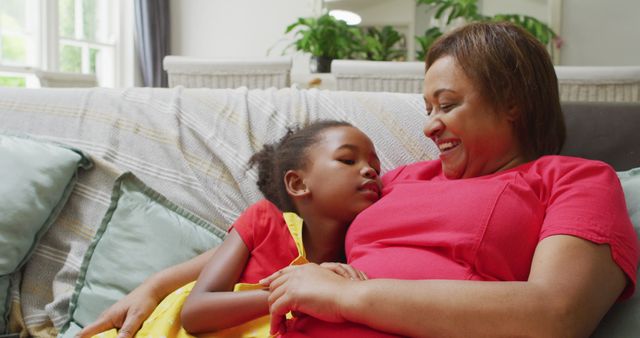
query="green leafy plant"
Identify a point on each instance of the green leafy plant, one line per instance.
(425, 41)
(449, 10)
(326, 37)
(537, 28)
(452, 9)
(386, 44)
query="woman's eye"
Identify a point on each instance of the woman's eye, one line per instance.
(446, 107)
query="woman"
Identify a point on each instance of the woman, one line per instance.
(496, 238)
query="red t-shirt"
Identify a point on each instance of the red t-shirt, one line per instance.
(266, 235)
(484, 228)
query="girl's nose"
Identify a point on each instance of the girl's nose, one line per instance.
(369, 172)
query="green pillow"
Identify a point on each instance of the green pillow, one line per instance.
(623, 320)
(37, 179)
(141, 233)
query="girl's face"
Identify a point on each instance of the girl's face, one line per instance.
(474, 139)
(342, 173)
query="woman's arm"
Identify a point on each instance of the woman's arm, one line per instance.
(572, 284)
(212, 304)
(130, 312)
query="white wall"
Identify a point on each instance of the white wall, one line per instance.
(595, 32)
(379, 12)
(234, 28)
(600, 33)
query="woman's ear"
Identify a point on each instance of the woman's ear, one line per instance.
(513, 112)
(294, 183)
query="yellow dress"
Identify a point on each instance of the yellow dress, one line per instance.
(164, 322)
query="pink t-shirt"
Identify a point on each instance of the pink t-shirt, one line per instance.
(484, 228)
(266, 235)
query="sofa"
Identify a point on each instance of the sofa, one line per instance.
(168, 174)
(576, 83)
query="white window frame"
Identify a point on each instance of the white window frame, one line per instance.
(47, 43)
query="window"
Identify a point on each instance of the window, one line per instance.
(17, 43)
(77, 36)
(86, 38)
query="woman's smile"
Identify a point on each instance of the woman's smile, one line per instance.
(447, 145)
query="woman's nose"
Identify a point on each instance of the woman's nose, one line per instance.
(433, 127)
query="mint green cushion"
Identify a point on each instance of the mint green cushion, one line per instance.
(141, 233)
(37, 179)
(623, 320)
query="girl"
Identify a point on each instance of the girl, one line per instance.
(315, 181)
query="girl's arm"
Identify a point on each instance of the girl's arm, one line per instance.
(572, 284)
(130, 312)
(212, 304)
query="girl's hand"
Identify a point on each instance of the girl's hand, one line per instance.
(126, 315)
(309, 289)
(345, 270)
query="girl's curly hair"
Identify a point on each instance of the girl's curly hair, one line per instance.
(288, 153)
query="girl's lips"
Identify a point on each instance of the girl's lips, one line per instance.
(371, 188)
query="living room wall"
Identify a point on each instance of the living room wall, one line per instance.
(601, 33)
(234, 29)
(595, 32)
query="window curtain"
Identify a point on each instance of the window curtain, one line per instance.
(152, 39)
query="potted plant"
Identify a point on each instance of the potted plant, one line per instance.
(425, 41)
(386, 44)
(467, 10)
(325, 38)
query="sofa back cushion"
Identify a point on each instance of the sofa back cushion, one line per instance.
(606, 131)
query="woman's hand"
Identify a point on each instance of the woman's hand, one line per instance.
(310, 289)
(126, 315)
(345, 270)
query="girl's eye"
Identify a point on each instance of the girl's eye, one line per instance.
(347, 161)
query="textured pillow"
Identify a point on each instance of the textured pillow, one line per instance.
(37, 179)
(623, 320)
(141, 233)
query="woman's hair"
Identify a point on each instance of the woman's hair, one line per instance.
(511, 69)
(289, 153)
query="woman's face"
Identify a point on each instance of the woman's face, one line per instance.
(473, 137)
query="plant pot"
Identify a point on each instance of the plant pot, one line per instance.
(320, 64)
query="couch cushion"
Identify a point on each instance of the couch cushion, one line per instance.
(37, 179)
(605, 131)
(141, 233)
